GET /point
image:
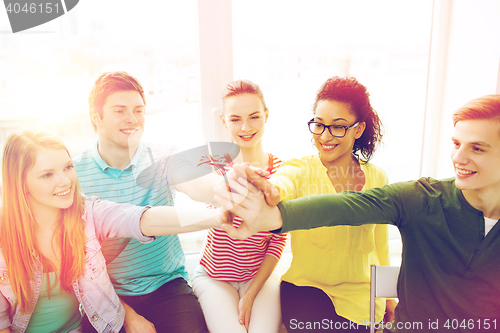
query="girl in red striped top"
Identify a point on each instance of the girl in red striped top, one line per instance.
(232, 281)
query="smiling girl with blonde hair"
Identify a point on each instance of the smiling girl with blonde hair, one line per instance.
(51, 264)
(232, 281)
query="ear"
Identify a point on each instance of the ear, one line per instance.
(221, 115)
(96, 119)
(266, 112)
(360, 129)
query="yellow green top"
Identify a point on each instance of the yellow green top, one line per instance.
(336, 260)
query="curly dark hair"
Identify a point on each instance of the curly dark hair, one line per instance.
(348, 90)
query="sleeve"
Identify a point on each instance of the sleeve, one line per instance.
(115, 220)
(276, 245)
(4, 313)
(289, 178)
(390, 204)
(158, 166)
(381, 235)
(381, 231)
(188, 165)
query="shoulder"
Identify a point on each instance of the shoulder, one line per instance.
(94, 206)
(304, 162)
(375, 172)
(156, 151)
(154, 159)
(433, 185)
(88, 205)
(83, 158)
(425, 187)
(296, 169)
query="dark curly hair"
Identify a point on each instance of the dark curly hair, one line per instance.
(349, 90)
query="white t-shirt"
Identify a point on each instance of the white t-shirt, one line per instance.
(488, 224)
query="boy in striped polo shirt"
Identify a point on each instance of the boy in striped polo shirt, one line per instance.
(150, 279)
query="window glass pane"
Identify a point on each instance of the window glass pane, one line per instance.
(46, 72)
(291, 48)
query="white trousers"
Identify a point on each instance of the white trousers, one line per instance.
(219, 301)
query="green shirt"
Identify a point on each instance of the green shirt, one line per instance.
(450, 272)
(55, 313)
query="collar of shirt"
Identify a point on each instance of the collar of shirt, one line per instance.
(115, 171)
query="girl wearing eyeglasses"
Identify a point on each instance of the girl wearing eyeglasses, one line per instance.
(328, 280)
(232, 281)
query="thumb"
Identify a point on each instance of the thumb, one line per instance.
(241, 314)
(272, 195)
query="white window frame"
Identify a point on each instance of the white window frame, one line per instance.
(216, 63)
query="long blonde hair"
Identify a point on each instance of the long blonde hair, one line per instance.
(18, 228)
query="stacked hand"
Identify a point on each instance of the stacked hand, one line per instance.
(252, 197)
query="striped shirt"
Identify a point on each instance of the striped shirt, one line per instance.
(136, 268)
(228, 259)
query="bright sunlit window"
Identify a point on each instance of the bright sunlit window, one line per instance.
(418, 59)
(47, 72)
(384, 44)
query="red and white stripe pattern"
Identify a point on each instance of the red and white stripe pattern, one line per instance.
(228, 259)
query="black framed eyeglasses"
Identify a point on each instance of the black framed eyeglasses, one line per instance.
(338, 131)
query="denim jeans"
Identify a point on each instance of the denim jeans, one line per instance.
(303, 306)
(171, 308)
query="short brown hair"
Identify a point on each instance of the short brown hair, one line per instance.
(484, 107)
(107, 84)
(240, 87)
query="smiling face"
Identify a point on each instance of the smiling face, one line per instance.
(334, 150)
(245, 117)
(50, 184)
(476, 154)
(122, 123)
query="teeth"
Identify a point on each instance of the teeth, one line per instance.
(465, 172)
(60, 194)
(247, 136)
(128, 131)
(327, 147)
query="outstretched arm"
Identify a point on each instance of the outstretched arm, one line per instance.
(200, 189)
(386, 205)
(128, 221)
(166, 220)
